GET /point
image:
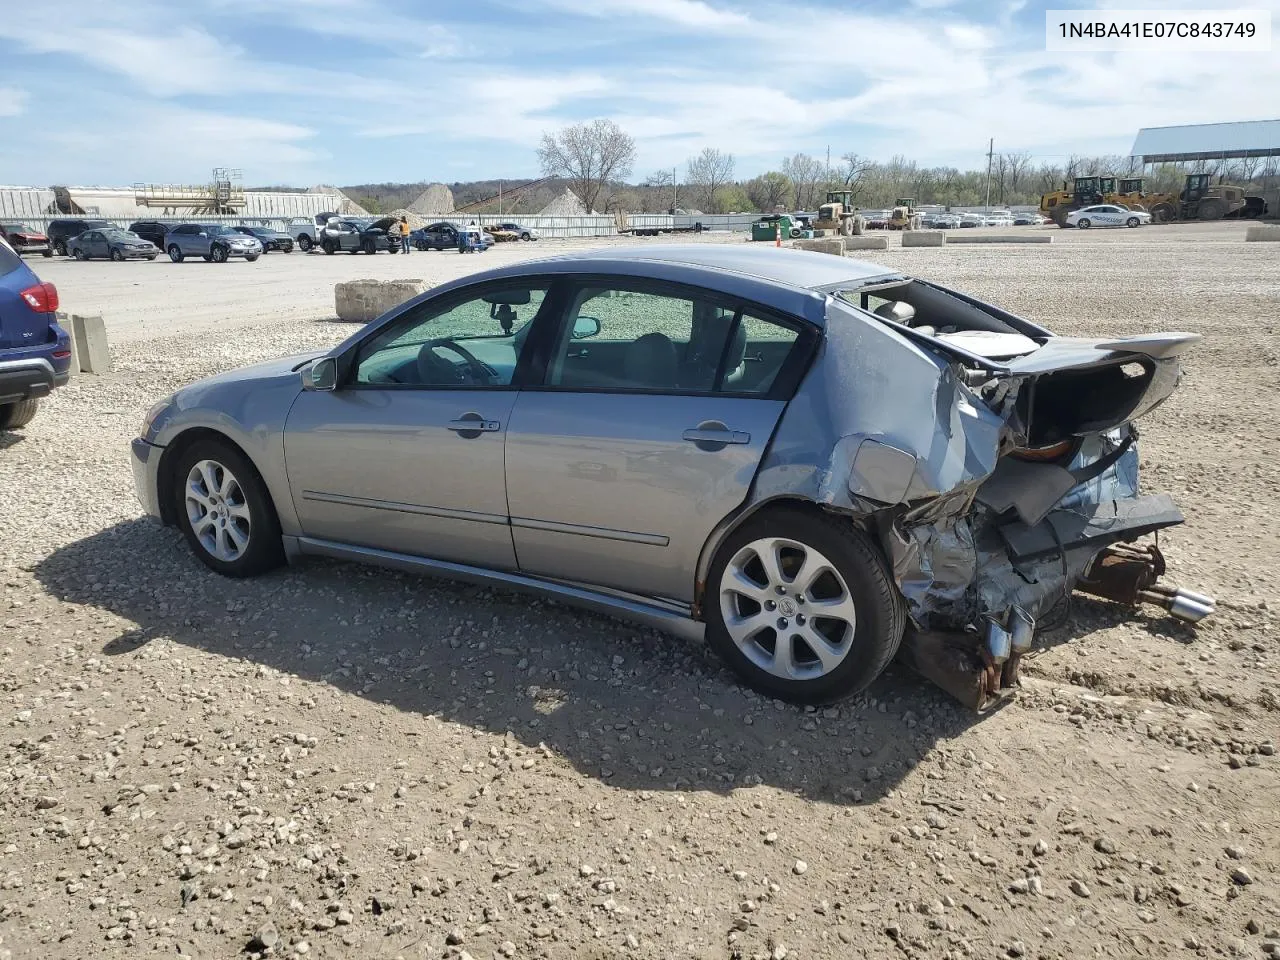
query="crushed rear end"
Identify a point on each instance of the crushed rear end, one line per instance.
(998, 465)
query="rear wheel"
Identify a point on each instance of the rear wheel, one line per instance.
(1163, 213)
(304, 243)
(1083, 223)
(174, 253)
(1212, 210)
(802, 607)
(14, 415)
(116, 255)
(225, 511)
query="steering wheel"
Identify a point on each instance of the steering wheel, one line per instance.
(479, 371)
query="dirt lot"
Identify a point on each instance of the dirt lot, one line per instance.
(340, 762)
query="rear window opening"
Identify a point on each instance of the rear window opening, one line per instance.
(1058, 406)
(935, 311)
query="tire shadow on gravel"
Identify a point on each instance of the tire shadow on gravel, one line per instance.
(637, 709)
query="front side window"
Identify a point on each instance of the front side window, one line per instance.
(614, 338)
(473, 343)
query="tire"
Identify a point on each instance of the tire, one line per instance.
(305, 244)
(117, 256)
(1083, 223)
(525, 237)
(1163, 213)
(1133, 222)
(854, 570)
(218, 253)
(79, 254)
(153, 256)
(46, 253)
(240, 509)
(19, 414)
(368, 247)
(1211, 210)
(60, 248)
(422, 246)
(175, 254)
(328, 248)
(252, 257)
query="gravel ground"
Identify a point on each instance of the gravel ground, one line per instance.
(339, 762)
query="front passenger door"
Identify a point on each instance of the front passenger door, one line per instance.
(407, 454)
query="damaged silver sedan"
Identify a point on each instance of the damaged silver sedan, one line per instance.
(814, 462)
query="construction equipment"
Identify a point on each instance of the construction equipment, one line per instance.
(903, 216)
(223, 194)
(774, 226)
(1200, 199)
(837, 215)
(1085, 192)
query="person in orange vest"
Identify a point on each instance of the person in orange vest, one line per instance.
(403, 227)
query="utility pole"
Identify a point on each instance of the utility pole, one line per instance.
(674, 192)
(828, 166)
(991, 152)
(499, 198)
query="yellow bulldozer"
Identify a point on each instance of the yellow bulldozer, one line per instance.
(903, 215)
(1084, 192)
(1200, 199)
(837, 215)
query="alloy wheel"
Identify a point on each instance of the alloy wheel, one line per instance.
(217, 510)
(787, 608)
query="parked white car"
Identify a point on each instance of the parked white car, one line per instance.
(1107, 215)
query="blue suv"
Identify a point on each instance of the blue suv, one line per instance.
(35, 353)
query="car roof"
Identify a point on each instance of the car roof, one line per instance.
(800, 269)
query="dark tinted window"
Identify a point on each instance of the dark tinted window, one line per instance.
(9, 261)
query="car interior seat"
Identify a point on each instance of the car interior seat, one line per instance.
(899, 311)
(651, 361)
(706, 347)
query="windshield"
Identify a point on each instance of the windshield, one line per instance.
(17, 228)
(120, 235)
(218, 230)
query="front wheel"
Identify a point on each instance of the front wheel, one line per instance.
(60, 248)
(525, 236)
(802, 607)
(422, 246)
(46, 253)
(368, 247)
(1084, 223)
(19, 414)
(252, 257)
(329, 248)
(117, 256)
(174, 253)
(225, 511)
(304, 243)
(218, 254)
(152, 256)
(79, 254)
(1132, 222)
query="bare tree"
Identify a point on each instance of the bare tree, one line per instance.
(769, 190)
(805, 173)
(854, 171)
(708, 172)
(588, 155)
(1019, 166)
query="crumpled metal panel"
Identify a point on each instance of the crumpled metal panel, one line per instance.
(873, 385)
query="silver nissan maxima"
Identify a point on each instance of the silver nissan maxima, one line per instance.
(814, 462)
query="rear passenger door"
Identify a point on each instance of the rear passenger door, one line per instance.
(655, 407)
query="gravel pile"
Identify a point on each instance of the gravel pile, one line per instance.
(334, 761)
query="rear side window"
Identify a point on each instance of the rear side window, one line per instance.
(9, 261)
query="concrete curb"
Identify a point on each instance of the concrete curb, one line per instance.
(359, 301)
(866, 243)
(832, 245)
(1262, 234)
(89, 353)
(924, 238)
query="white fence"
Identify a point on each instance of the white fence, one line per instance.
(738, 222)
(19, 203)
(558, 228)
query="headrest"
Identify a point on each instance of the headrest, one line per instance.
(897, 311)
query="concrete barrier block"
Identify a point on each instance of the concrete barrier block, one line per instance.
(866, 243)
(90, 352)
(962, 237)
(64, 321)
(831, 245)
(360, 301)
(1262, 234)
(924, 238)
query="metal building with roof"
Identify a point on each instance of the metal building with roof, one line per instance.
(1207, 141)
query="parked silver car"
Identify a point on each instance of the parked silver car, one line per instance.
(210, 241)
(810, 459)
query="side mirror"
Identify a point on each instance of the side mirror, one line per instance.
(585, 327)
(320, 376)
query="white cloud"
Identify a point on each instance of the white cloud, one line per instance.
(684, 13)
(13, 102)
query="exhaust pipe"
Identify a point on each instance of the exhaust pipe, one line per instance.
(1128, 574)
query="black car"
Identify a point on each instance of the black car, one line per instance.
(152, 230)
(443, 235)
(359, 236)
(60, 231)
(270, 239)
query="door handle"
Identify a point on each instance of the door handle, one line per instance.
(473, 424)
(715, 435)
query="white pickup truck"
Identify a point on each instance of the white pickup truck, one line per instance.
(304, 230)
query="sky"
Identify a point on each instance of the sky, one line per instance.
(299, 92)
